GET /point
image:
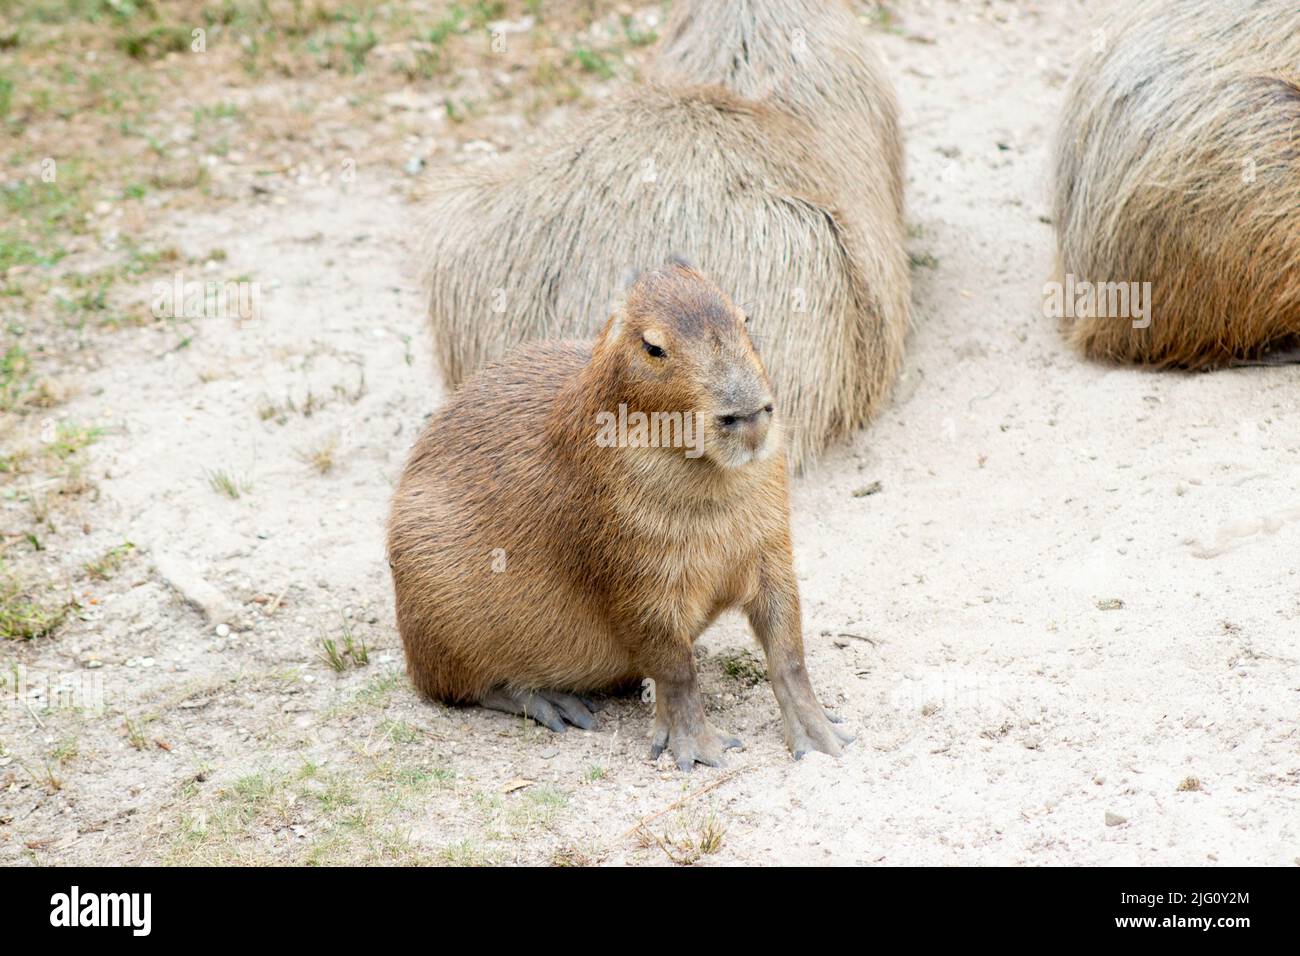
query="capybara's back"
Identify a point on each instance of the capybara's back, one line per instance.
(781, 178)
(1178, 165)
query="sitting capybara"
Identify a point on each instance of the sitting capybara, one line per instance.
(766, 148)
(577, 515)
(1178, 165)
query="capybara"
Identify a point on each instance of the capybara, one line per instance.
(765, 147)
(538, 552)
(1178, 165)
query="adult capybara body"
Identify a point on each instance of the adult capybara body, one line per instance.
(533, 561)
(1178, 164)
(765, 147)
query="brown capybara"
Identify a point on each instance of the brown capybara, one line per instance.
(1178, 165)
(765, 147)
(544, 542)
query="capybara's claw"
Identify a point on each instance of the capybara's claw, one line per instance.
(693, 743)
(550, 708)
(573, 709)
(659, 743)
(816, 731)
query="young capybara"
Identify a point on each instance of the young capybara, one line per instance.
(1178, 165)
(766, 148)
(539, 551)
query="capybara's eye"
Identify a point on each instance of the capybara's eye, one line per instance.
(653, 351)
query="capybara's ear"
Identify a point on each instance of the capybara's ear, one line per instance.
(677, 259)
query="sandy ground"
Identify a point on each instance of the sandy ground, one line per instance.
(1076, 588)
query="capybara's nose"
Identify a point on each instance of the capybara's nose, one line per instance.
(752, 426)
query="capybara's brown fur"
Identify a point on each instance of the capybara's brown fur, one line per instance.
(533, 561)
(1178, 164)
(765, 147)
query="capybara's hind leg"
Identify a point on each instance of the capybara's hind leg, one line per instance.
(550, 708)
(1287, 353)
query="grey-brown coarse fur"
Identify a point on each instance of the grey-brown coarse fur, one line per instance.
(765, 147)
(1178, 164)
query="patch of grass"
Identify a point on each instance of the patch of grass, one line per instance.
(310, 815)
(135, 734)
(310, 403)
(573, 854)
(400, 732)
(593, 61)
(465, 853)
(225, 483)
(15, 376)
(635, 36)
(357, 44)
(349, 648)
(47, 206)
(333, 656)
(46, 777)
(24, 614)
(536, 807)
(742, 666)
(320, 458)
(885, 18)
(690, 836)
(711, 833)
(378, 690)
(154, 42)
(110, 562)
(70, 438)
(451, 22)
(207, 114)
(66, 749)
(17, 251)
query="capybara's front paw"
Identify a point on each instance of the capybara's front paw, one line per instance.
(810, 728)
(692, 741)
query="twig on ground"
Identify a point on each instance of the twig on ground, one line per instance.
(686, 799)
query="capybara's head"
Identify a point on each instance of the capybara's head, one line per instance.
(679, 351)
